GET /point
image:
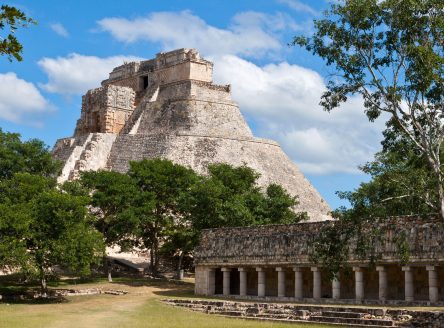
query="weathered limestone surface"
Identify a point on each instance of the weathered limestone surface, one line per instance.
(105, 110)
(279, 245)
(168, 107)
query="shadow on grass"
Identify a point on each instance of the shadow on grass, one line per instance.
(14, 289)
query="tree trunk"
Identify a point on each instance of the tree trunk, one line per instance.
(179, 265)
(440, 199)
(436, 167)
(152, 259)
(43, 285)
(156, 255)
(108, 269)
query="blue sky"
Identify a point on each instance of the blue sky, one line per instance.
(76, 44)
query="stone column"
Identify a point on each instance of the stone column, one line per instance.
(242, 282)
(433, 283)
(336, 287)
(316, 282)
(281, 281)
(226, 281)
(298, 283)
(359, 283)
(408, 283)
(211, 276)
(382, 282)
(260, 282)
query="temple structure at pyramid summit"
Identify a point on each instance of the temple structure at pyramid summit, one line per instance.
(168, 107)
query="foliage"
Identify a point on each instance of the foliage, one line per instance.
(11, 19)
(156, 209)
(24, 156)
(111, 195)
(400, 184)
(230, 196)
(162, 206)
(391, 53)
(42, 226)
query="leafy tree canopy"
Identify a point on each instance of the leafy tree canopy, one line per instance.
(391, 53)
(42, 226)
(11, 19)
(24, 156)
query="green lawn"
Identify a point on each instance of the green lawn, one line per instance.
(140, 308)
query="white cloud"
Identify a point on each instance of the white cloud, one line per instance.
(299, 6)
(76, 74)
(59, 29)
(283, 101)
(250, 33)
(21, 101)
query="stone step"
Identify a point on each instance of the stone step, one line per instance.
(230, 313)
(374, 322)
(305, 322)
(343, 314)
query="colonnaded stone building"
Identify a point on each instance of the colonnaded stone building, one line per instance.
(168, 107)
(276, 262)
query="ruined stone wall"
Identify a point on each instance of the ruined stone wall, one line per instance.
(178, 110)
(105, 110)
(291, 244)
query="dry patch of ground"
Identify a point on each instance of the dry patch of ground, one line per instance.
(141, 307)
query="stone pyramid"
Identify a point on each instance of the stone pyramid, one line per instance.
(168, 107)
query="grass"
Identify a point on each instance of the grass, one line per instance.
(141, 307)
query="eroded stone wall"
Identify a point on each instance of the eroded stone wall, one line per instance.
(292, 244)
(105, 110)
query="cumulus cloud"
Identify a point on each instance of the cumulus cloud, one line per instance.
(75, 74)
(283, 101)
(249, 34)
(21, 101)
(59, 29)
(299, 6)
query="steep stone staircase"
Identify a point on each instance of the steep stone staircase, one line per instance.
(335, 316)
(131, 125)
(92, 154)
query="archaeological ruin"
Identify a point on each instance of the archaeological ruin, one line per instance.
(276, 263)
(169, 107)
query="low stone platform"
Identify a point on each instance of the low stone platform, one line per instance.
(332, 315)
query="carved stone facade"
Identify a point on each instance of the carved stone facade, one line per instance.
(276, 262)
(105, 110)
(168, 107)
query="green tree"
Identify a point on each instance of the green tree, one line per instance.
(25, 156)
(112, 196)
(161, 186)
(391, 53)
(400, 184)
(11, 19)
(230, 196)
(42, 226)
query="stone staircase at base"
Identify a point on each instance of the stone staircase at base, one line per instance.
(335, 316)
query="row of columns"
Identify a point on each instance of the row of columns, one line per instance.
(336, 284)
